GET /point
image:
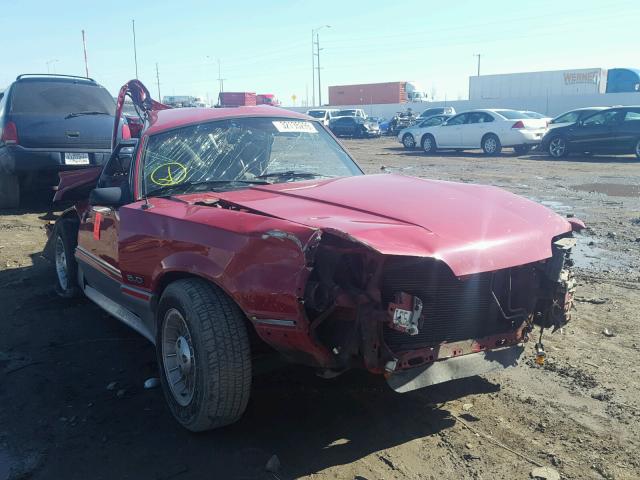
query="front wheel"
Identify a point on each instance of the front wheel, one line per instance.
(428, 144)
(408, 141)
(203, 355)
(558, 147)
(637, 152)
(491, 145)
(64, 245)
(522, 149)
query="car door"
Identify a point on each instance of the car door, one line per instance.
(628, 130)
(476, 126)
(596, 133)
(97, 249)
(450, 134)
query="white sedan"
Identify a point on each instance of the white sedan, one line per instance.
(487, 129)
(407, 136)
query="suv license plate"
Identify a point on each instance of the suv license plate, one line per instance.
(76, 158)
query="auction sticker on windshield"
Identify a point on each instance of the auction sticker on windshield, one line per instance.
(294, 127)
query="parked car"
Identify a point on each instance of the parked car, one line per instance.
(401, 121)
(490, 130)
(384, 123)
(322, 114)
(611, 131)
(430, 112)
(51, 123)
(574, 116)
(412, 136)
(271, 235)
(350, 112)
(356, 127)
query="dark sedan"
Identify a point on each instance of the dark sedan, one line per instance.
(357, 127)
(610, 131)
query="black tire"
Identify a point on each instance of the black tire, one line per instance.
(428, 144)
(491, 145)
(9, 191)
(522, 149)
(637, 149)
(64, 262)
(220, 352)
(408, 141)
(557, 147)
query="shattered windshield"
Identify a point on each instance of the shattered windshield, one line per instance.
(235, 153)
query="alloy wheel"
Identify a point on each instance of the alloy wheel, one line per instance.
(557, 147)
(490, 145)
(408, 141)
(178, 357)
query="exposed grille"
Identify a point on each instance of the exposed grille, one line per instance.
(453, 309)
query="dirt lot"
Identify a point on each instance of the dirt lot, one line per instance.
(580, 414)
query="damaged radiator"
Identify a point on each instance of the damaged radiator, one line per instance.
(453, 309)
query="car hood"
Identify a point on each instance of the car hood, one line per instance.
(472, 228)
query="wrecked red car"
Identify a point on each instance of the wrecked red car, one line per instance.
(222, 232)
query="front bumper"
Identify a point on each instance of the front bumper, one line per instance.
(454, 368)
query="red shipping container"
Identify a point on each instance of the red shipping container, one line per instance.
(237, 99)
(368, 93)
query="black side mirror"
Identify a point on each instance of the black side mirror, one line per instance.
(108, 197)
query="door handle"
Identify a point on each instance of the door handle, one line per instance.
(102, 210)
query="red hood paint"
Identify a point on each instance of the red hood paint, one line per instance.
(472, 228)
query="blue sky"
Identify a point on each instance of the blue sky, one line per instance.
(266, 46)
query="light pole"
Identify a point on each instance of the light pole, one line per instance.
(314, 32)
(52, 62)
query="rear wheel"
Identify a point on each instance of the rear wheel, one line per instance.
(9, 191)
(522, 149)
(203, 353)
(491, 145)
(637, 152)
(408, 141)
(558, 147)
(429, 144)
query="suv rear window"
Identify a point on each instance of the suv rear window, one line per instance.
(60, 98)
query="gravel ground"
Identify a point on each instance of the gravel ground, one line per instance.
(579, 414)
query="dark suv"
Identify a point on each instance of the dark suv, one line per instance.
(50, 123)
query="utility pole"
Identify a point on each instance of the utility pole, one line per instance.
(52, 62)
(313, 69)
(158, 82)
(478, 55)
(319, 82)
(220, 79)
(84, 47)
(135, 51)
(315, 33)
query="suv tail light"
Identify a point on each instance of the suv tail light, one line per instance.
(9, 133)
(519, 124)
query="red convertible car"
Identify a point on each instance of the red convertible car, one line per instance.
(219, 233)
